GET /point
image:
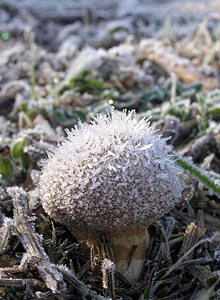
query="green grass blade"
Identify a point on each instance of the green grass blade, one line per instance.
(210, 181)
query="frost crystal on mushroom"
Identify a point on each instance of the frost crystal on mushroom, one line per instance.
(114, 177)
(109, 176)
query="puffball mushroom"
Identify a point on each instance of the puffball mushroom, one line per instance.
(115, 177)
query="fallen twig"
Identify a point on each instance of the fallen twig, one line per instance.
(172, 63)
(32, 242)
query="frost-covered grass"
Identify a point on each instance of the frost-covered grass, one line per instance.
(63, 63)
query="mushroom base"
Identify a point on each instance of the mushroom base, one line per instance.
(129, 252)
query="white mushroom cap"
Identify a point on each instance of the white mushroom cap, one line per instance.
(112, 175)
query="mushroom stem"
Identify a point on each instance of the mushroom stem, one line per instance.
(129, 252)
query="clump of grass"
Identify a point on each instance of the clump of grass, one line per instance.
(84, 83)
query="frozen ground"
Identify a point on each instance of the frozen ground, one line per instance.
(61, 61)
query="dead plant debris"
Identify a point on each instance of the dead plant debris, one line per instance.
(61, 61)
